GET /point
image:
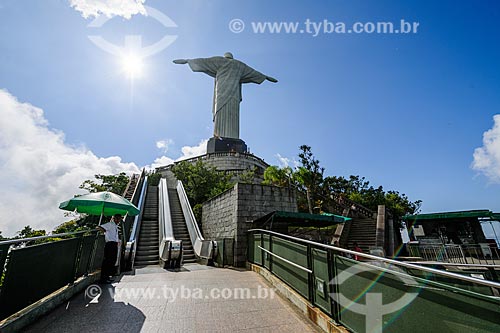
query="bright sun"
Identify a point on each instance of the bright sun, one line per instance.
(132, 66)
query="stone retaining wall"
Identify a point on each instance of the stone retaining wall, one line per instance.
(230, 214)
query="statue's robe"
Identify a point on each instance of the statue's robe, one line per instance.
(229, 74)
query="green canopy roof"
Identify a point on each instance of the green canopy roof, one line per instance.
(301, 219)
(483, 213)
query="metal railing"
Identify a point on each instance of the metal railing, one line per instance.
(477, 269)
(131, 247)
(347, 289)
(218, 154)
(170, 248)
(454, 253)
(202, 248)
(31, 272)
(30, 239)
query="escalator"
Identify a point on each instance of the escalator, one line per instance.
(166, 232)
(147, 252)
(180, 229)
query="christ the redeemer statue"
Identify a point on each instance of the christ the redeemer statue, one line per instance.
(229, 74)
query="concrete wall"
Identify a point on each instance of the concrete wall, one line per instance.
(235, 163)
(230, 214)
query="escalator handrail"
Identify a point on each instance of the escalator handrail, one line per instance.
(164, 216)
(194, 230)
(142, 176)
(132, 242)
(202, 248)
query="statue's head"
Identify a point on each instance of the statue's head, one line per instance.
(228, 55)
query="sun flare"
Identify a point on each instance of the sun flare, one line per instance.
(133, 66)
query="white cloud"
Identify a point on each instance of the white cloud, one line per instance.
(285, 161)
(109, 8)
(487, 157)
(161, 161)
(39, 169)
(164, 145)
(187, 152)
(282, 161)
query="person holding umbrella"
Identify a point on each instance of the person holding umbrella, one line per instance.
(111, 237)
(103, 204)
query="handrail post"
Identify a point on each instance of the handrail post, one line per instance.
(262, 257)
(271, 250)
(78, 257)
(333, 287)
(310, 276)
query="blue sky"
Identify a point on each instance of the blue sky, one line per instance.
(405, 111)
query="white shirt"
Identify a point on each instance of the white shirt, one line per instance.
(111, 234)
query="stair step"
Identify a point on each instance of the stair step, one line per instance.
(142, 253)
(147, 251)
(154, 242)
(146, 263)
(149, 239)
(148, 232)
(147, 257)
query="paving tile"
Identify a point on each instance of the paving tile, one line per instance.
(152, 310)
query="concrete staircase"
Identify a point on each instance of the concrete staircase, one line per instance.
(148, 243)
(362, 231)
(179, 225)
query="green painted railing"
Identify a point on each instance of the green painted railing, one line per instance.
(32, 272)
(377, 294)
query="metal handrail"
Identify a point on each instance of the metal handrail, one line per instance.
(441, 263)
(137, 188)
(132, 243)
(390, 261)
(194, 230)
(166, 236)
(202, 248)
(209, 155)
(164, 217)
(135, 227)
(29, 239)
(286, 260)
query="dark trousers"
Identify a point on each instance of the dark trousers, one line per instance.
(108, 263)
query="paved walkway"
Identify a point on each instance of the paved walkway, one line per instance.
(196, 299)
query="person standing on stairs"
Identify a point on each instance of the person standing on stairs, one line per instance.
(357, 249)
(111, 237)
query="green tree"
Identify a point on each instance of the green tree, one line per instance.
(71, 226)
(314, 189)
(201, 182)
(310, 176)
(274, 175)
(359, 190)
(247, 176)
(111, 183)
(154, 179)
(28, 231)
(2, 237)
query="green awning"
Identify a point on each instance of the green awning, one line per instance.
(483, 213)
(301, 219)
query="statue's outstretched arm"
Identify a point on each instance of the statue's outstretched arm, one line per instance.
(180, 61)
(272, 79)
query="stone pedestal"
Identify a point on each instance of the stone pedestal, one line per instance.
(223, 145)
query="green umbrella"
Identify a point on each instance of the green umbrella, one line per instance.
(100, 203)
